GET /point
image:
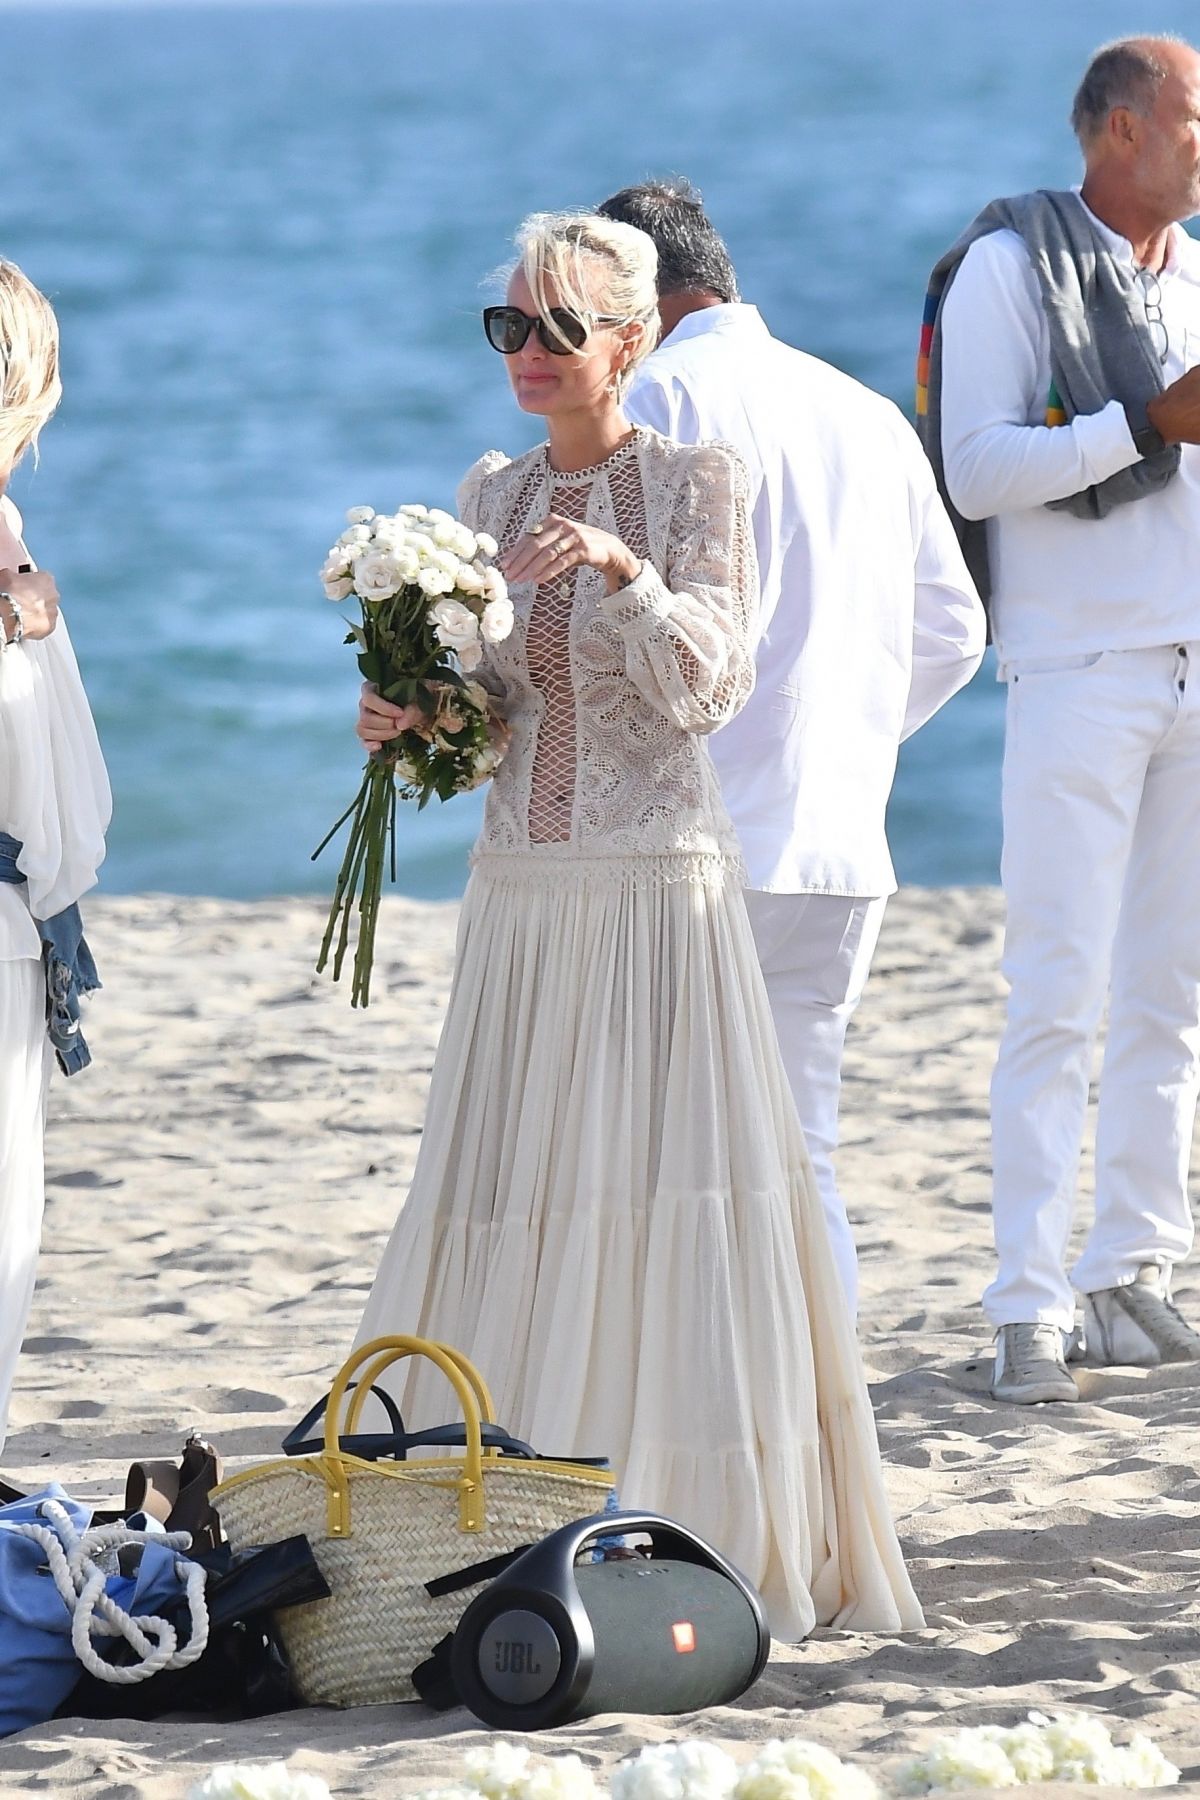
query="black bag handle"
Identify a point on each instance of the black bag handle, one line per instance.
(370, 1445)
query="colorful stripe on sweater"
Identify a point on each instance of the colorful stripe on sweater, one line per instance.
(1056, 412)
(927, 323)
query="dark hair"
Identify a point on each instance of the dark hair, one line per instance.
(692, 258)
(1128, 72)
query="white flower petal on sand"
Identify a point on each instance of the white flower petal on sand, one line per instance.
(504, 1772)
(686, 1771)
(259, 1781)
(1069, 1747)
(800, 1770)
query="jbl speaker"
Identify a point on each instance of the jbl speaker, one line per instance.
(553, 1639)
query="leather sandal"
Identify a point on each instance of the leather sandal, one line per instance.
(152, 1488)
(200, 1471)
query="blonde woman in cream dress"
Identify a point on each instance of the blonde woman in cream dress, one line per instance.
(612, 1211)
(54, 805)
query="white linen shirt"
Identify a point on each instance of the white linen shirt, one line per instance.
(1063, 586)
(54, 793)
(868, 618)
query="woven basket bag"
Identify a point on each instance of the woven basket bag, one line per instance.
(380, 1531)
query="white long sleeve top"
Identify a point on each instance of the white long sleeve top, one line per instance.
(1063, 585)
(868, 620)
(54, 792)
(610, 697)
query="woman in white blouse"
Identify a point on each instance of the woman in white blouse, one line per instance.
(613, 1212)
(54, 809)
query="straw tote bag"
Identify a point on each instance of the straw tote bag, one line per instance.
(381, 1530)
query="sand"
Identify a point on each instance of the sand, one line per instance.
(221, 1182)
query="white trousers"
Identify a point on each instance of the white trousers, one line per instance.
(815, 951)
(1101, 874)
(25, 1059)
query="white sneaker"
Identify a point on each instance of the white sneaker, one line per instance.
(1030, 1367)
(1137, 1324)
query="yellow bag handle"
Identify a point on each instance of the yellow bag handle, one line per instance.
(367, 1380)
(381, 1353)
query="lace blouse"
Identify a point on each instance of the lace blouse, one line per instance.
(608, 695)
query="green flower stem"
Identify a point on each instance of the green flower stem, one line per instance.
(344, 873)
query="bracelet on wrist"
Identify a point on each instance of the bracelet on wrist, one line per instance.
(18, 619)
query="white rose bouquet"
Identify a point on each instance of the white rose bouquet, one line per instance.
(430, 598)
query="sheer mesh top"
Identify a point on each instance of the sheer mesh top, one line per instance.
(607, 695)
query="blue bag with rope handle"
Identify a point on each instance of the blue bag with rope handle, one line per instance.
(66, 1604)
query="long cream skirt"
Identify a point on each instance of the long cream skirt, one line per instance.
(613, 1215)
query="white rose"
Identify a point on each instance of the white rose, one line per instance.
(468, 580)
(470, 655)
(497, 587)
(406, 562)
(436, 515)
(360, 515)
(386, 531)
(464, 543)
(485, 543)
(497, 620)
(413, 512)
(376, 576)
(357, 534)
(337, 587)
(434, 581)
(454, 624)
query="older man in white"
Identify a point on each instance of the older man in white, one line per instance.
(1097, 628)
(869, 624)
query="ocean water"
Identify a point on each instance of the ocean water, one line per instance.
(267, 230)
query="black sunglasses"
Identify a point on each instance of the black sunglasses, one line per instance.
(507, 329)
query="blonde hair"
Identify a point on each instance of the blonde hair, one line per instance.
(30, 387)
(598, 267)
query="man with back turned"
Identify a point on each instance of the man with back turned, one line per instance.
(1062, 397)
(869, 622)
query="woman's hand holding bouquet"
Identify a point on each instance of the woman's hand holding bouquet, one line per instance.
(430, 598)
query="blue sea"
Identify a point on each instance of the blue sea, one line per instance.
(268, 228)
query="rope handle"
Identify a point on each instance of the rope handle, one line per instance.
(381, 1353)
(82, 1584)
(487, 1406)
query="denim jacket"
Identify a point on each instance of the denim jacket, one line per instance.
(70, 970)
